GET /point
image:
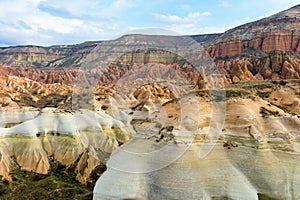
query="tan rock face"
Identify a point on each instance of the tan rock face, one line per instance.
(58, 139)
(255, 42)
(87, 163)
(262, 117)
(5, 166)
(279, 32)
(269, 48)
(218, 175)
(273, 66)
(275, 40)
(257, 150)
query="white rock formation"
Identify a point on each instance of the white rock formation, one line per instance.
(65, 136)
(254, 156)
(239, 173)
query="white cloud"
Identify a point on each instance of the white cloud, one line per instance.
(186, 7)
(170, 18)
(224, 3)
(52, 23)
(45, 22)
(195, 29)
(190, 18)
(185, 25)
(149, 31)
(122, 3)
(206, 14)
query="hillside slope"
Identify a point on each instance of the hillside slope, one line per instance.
(265, 49)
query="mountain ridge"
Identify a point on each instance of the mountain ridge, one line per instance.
(294, 11)
(268, 48)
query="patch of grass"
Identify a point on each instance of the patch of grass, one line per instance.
(265, 197)
(262, 94)
(266, 113)
(59, 183)
(202, 93)
(52, 100)
(252, 85)
(98, 171)
(214, 94)
(237, 92)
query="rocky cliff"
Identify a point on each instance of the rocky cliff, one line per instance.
(255, 154)
(265, 49)
(279, 32)
(32, 137)
(102, 90)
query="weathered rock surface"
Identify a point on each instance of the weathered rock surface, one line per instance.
(280, 32)
(253, 152)
(263, 156)
(239, 144)
(274, 66)
(239, 173)
(265, 49)
(66, 137)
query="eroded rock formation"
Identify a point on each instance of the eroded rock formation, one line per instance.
(265, 49)
(179, 97)
(71, 138)
(249, 155)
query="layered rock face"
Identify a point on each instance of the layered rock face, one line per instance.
(266, 49)
(30, 138)
(241, 173)
(273, 66)
(249, 152)
(279, 32)
(168, 101)
(56, 64)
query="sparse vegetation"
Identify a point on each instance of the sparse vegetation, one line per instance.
(266, 113)
(4, 104)
(59, 183)
(265, 197)
(236, 93)
(51, 100)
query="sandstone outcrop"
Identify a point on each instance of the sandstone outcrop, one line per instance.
(279, 32)
(265, 49)
(239, 173)
(71, 138)
(223, 103)
(262, 142)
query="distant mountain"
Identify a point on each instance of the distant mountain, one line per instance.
(265, 49)
(279, 32)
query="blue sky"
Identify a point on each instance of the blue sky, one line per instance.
(49, 22)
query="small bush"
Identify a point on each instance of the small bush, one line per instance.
(266, 113)
(282, 82)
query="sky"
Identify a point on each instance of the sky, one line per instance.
(59, 22)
